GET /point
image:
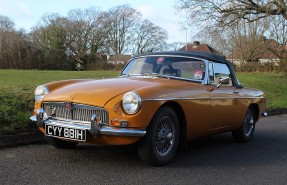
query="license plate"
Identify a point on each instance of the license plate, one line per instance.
(66, 133)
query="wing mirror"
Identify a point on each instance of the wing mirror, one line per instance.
(223, 80)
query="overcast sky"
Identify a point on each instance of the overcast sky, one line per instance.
(27, 13)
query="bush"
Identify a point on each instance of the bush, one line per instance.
(103, 65)
(283, 66)
(252, 67)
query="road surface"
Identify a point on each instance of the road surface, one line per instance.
(214, 160)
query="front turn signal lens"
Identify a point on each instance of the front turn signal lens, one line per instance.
(119, 123)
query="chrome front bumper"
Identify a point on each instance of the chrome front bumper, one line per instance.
(93, 127)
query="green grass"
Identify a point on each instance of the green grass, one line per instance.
(274, 85)
(27, 79)
(17, 91)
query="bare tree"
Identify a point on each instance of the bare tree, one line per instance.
(58, 42)
(243, 40)
(174, 46)
(217, 38)
(6, 24)
(278, 32)
(148, 37)
(51, 37)
(248, 42)
(86, 33)
(230, 12)
(6, 31)
(120, 21)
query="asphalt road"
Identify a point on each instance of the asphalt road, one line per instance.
(214, 160)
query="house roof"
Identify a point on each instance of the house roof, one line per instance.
(197, 46)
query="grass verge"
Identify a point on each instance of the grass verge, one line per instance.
(17, 94)
(274, 85)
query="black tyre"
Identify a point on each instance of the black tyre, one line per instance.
(245, 133)
(160, 143)
(58, 143)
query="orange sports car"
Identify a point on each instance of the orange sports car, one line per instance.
(159, 101)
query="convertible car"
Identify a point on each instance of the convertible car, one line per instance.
(159, 101)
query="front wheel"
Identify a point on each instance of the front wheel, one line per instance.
(58, 143)
(245, 132)
(159, 144)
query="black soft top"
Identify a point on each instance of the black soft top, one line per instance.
(202, 55)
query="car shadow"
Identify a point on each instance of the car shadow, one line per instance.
(218, 150)
(223, 151)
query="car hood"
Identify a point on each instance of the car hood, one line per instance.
(97, 92)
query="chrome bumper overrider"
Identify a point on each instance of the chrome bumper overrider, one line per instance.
(264, 114)
(93, 127)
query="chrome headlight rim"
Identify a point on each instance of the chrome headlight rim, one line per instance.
(40, 92)
(131, 99)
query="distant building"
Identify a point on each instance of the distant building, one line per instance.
(118, 59)
(197, 46)
(266, 53)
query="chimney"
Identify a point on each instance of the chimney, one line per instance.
(196, 44)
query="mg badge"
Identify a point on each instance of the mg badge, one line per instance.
(68, 106)
(53, 111)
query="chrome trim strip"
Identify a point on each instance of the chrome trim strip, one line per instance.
(75, 105)
(204, 98)
(171, 99)
(121, 131)
(219, 98)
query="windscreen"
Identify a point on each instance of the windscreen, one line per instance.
(178, 67)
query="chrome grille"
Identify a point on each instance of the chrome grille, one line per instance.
(72, 111)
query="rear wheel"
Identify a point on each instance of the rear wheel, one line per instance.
(58, 143)
(245, 133)
(161, 140)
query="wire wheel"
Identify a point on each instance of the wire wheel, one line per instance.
(160, 143)
(248, 124)
(164, 136)
(246, 131)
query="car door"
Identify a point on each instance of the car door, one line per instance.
(224, 98)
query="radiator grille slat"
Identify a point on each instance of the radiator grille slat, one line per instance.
(77, 112)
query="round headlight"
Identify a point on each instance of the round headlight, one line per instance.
(40, 92)
(131, 102)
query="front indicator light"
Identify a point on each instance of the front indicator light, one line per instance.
(119, 123)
